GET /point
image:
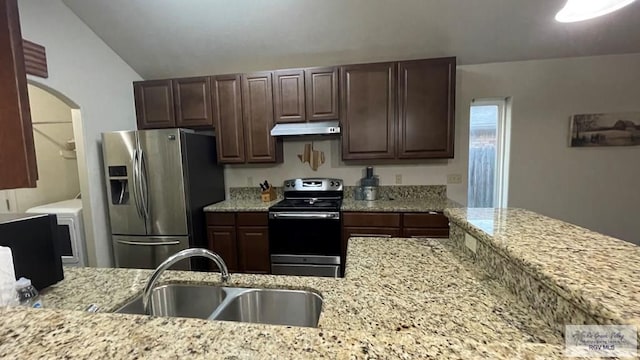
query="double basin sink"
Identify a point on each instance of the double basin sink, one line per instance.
(265, 306)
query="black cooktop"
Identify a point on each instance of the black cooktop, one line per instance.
(308, 204)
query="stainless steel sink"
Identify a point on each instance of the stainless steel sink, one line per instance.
(265, 306)
(180, 300)
(272, 306)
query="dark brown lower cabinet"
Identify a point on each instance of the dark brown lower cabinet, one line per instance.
(431, 224)
(241, 239)
(222, 240)
(253, 249)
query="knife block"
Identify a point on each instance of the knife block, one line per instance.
(268, 195)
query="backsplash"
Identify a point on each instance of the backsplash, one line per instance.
(384, 192)
(387, 192)
(249, 193)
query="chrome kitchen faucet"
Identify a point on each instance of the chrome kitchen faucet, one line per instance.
(184, 254)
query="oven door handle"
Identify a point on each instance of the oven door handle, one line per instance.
(304, 215)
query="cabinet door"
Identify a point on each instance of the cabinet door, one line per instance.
(222, 240)
(425, 232)
(227, 116)
(426, 96)
(321, 86)
(288, 96)
(257, 117)
(192, 102)
(368, 111)
(253, 249)
(17, 152)
(154, 104)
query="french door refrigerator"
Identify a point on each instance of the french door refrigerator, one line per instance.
(158, 181)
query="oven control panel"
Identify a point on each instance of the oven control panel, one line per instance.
(313, 184)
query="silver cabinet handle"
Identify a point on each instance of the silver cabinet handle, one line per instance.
(433, 213)
(165, 243)
(418, 237)
(371, 235)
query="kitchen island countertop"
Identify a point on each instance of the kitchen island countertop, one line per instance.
(597, 273)
(401, 298)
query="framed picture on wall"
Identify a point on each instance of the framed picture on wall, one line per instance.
(609, 129)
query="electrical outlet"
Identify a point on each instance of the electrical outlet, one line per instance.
(398, 179)
(471, 243)
(454, 179)
(249, 180)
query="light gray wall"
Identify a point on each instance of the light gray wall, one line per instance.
(92, 78)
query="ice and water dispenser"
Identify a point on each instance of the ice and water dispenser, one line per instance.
(119, 183)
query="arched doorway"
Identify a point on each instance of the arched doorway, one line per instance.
(42, 130)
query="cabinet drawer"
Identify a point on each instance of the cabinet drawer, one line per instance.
(371, 219)
(426, 232)
(349, 232)
(425, 220)
(253, 219)
(221, 218)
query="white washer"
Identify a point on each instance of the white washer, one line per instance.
(71, 240)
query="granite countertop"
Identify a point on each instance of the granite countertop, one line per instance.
(349, 204)
(596, 272)
(239, 205)
(399, 205)
(401, 298)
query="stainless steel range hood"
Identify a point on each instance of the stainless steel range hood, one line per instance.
(310, 128)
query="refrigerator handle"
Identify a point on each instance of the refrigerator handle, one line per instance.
(140, 243)
(144, 187)
(135, 187)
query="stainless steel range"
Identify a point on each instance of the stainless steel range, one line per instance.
(304, 228)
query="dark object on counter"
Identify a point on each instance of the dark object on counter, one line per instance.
(369, 172)
(33, 239)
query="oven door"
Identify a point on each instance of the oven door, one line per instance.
(304, 233)
(305, 243)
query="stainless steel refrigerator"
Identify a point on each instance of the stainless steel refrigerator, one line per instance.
(158, 181)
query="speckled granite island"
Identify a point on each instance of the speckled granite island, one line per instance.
(567, 274)
(400, 299)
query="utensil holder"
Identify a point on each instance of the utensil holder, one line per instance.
(268, 195)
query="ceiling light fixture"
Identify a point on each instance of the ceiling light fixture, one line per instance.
(578, 10)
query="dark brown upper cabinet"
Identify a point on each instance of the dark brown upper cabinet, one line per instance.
(226, 100)
(154, 104)
(192, 102)
(288, 96)
(17, 151)
(257, 117)
(426, 96)
(367, 107)
(321, 87)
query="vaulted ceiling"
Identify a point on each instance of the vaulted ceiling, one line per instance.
(169, 38)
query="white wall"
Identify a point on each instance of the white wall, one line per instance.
(57, 176)
(94, 79)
